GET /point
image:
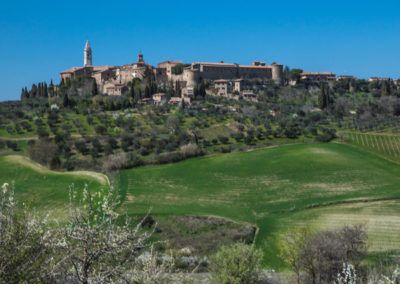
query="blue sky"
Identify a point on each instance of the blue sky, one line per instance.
(38, 39)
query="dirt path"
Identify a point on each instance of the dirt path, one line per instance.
(103, 179)
(34, 137)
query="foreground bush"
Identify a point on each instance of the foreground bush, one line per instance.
(319, 257)
(236, 265)
(24, 248)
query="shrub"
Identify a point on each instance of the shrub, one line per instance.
(327, 135)
(190, 150)
(223, 139)
(42, 151)
(12, 145)
(55, 162)
(42, 132)
(185, 152)
(81, 147)
(25, 253)
(115, 162)
(237, 264)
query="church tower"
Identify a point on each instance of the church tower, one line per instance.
(87, 55)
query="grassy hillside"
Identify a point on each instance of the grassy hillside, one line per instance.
(274, 188)
(45, 190)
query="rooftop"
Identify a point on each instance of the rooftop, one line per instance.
(71, 70)
(318, 73)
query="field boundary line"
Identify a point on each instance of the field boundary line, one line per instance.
(22, 160)
(334, 203)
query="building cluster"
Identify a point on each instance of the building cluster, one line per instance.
(229, 78)
(113, 80)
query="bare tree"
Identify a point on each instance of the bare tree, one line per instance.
(323, 255)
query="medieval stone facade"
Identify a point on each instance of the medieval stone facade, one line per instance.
(109, 78)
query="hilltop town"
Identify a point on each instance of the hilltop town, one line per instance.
(229, 80)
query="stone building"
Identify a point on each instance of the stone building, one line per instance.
(345, 77)
(223, 87)
(87, 55)
(238, 85)
(109, 78)
(198, 71)
(160, 98)
(128, 72)
(115, 89)
(188, 92)
(317, 77)
(372, 79)
(215, 71)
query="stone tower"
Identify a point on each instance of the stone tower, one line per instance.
(87, 55)
(277, 72)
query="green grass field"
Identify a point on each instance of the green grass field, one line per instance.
(273, 188)
(46, 191)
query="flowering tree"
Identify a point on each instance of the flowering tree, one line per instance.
(348, 275)
(24, 243)
(97, 246)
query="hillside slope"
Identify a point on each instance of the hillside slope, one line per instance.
(275, 188)
(46, 191)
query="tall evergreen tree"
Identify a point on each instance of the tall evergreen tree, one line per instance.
(33, 91)
(45, 91)
(147, 92)
(385, 88)
(66, 100)
(23, 94)
(94, 88)
(323, 98)
(177, 89)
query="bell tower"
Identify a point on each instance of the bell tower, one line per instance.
(87, 55)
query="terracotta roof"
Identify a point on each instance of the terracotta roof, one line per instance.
(346, 77)
(171, 62)
(255, 66)
(318, 73)
(379, 78)
(216, 64)
(160, 94)
(71, 70)
(102, 68)
(221, 81)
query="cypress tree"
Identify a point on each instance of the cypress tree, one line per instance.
(132, 94)
(322, 98)
(385, 89)
(45, 92)
(23, 94)
(94, 88)
(65, 100)
(33, 92)
(147, 92)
